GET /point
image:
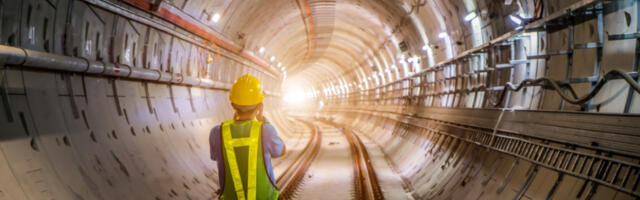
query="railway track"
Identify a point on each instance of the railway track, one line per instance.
(290, 180)
(365, 180)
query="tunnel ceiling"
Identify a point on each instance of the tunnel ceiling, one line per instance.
(320, 41)
(315, 40)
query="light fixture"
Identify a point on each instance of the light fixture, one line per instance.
(443, 35)
(261, 50)
(470, 16)
(273, 58)
(216, 17)
(280, 64)
(515, 19)
(414, 59)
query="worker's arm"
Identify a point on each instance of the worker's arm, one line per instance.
(272, 143)
(284, 150)
(214, 142)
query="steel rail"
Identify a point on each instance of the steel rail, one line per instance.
(365, 178)
(371, 188)
(290, 180)
(359, 177)
(373, 178)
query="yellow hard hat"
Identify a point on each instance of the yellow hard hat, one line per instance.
(246, 91)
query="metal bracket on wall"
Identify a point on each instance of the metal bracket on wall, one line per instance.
(116, 98)
(532, 174)
(508, 176)
(173, 99)
(636, 62)
(193, 108)
(4, 91)
(626, 36)
(555, 186)
(147, 96)
(72, 96)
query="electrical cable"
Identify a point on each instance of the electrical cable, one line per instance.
(573, 99)
(550, 83)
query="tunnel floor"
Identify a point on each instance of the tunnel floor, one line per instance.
(331, 173)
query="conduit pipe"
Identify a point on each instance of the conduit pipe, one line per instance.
(48, 61)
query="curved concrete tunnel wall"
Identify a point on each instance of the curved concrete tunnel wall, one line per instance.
(104, 135)
(104, 154)
(49, 153)
(109, 132)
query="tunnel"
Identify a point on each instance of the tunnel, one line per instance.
(373, 99)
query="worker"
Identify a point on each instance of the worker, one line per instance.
(243, 147)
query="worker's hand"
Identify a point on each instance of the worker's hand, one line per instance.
(236, 116)
(260, 116)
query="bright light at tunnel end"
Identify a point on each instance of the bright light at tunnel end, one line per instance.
(295, 96)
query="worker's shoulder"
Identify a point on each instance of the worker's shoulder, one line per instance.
(215, 130)
(266, 126)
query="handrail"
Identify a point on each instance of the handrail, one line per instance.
(47, 61)
(545, 82)
(535, 25)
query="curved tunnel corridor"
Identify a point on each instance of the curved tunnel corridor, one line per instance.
(378, 99)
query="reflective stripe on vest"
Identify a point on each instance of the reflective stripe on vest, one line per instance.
(229, 145)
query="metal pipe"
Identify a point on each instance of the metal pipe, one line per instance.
(47, 61)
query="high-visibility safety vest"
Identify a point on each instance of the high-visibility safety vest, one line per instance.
(246, 175)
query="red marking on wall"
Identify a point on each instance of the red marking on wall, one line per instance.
(307, 12)
(195, 29)
(141, 4)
